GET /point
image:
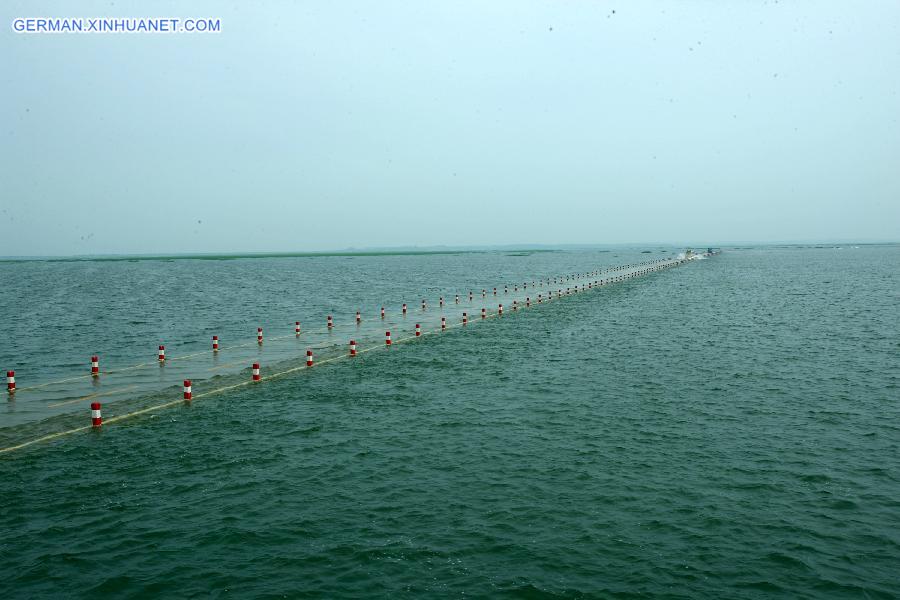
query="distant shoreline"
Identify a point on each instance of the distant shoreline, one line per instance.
(243, 255)
(427, 251)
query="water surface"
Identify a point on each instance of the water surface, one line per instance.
(728, 428)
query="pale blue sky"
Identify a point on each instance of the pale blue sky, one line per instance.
(324, 125)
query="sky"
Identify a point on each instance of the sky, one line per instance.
(329, 125)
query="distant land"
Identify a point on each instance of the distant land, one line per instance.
(423, 250)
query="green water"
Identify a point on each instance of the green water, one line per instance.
(725, 429)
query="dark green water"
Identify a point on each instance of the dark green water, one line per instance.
(727, 429)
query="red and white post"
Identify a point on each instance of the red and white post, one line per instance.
(443, 323)
(382, 312)
(387, 338)
(352, 347)
(404, 308)
(255, 372)
(441, 302)
(187, 389)
(484, 313)
(358, 318)
(309, 358)
(330, 322)
(11, 382)
(95, 366)
(96, 417)
(500, 310)
(215, 343)
(296, 327)
(465, 319)
(259, 335)
(162, 354)
(418, 330)
(423, 303)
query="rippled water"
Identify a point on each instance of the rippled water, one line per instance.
(63, 316)
(728, 428)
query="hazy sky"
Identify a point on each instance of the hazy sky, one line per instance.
(325, 125)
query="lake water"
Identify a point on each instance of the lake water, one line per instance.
(725, 428)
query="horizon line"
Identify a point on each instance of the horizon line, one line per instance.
(414, 249)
